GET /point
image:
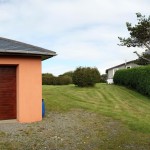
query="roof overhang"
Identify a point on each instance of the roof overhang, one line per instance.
(10, 47)
(132, 61)
(44, 55)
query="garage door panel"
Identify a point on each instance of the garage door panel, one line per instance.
(7, 92)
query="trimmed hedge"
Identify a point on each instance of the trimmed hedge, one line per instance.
(86, 76)
(137, 78)
(64, 80)
(48, 79)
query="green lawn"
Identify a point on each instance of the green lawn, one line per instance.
(130, 107)
(101, 118)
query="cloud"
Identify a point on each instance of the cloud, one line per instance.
(53, 17)
(80, 31)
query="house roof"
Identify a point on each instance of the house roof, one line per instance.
(132, 61)
(147, 52)
(12, 47)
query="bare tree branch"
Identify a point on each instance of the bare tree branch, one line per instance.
(147, 45)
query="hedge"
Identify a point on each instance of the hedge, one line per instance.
(52, 80)
(137, 78)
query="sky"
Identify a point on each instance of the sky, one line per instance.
(81, 32)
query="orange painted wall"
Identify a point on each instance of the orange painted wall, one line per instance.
(29, 87)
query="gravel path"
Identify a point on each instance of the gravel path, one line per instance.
(56, 131)
(74, 130)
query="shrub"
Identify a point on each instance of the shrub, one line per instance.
(86, 76)
(69, 73)
(66, 77)
(64, 80)
(49, 79)
(137, 78)
(103, 78)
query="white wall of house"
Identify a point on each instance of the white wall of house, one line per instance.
(111, 72)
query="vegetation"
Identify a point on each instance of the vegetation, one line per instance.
(49, 79)
(117, 102)
(86, 76)
(103, 78)
(142, 61)
(137, 78)
(139, 36)
(46, 78)
(66, 78)
(63, 80)
(100, 118)
(69, 73)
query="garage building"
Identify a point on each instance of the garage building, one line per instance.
(21, 80)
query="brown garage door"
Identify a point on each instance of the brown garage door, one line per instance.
(7, 92)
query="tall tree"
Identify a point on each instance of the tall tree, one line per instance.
(139, 35)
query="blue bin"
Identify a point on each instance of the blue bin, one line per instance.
(43, 108)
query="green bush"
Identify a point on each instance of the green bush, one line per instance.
(103, 78)
(66, 77)
(137, 78)
(69, 73)
(86, 76)
(64, 80)
(49, 79)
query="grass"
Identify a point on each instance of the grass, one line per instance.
(120, 103)
(101, 118)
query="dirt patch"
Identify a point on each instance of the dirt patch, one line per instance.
(74, 130)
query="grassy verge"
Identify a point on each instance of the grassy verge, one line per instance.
(117, 102)
(104, 117)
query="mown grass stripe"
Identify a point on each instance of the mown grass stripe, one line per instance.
(110, 100)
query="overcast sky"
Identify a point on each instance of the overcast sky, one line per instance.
(81, 32)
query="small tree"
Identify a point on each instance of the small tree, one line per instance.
(139, 35)
(86, 76)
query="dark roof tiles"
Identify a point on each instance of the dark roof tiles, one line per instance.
(8, 46)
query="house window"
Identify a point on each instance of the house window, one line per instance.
(128, 67)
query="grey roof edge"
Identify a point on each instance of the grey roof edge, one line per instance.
(120, 65)
(28, 52)
(44, 57)
(45, 51)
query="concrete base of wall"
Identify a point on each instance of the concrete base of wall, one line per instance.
(110, 81)
(8, 121)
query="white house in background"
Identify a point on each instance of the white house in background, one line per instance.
(111, 71)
